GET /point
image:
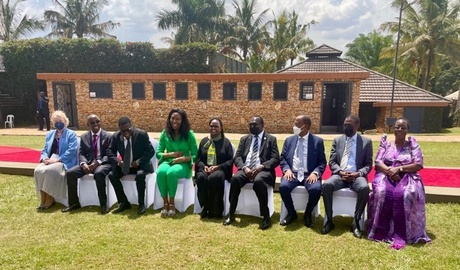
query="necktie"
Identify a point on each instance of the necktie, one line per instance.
(127, 158)
(346, 155)
(300, 155)
(95, 146)
(255, 152)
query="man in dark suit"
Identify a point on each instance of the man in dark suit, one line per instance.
(256, 159)
(43, 111)
(303, 162)
(135, 149)
(350, 163)
(93, 159)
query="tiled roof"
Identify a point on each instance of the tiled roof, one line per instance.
(323, 50)
(377, 88)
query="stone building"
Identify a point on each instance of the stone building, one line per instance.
(324, 87)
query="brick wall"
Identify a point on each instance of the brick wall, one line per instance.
(150, 115)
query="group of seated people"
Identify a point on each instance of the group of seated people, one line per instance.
(396, 205)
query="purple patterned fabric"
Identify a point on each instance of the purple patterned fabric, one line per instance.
(396, 211)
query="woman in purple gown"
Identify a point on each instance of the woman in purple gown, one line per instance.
(396, 210)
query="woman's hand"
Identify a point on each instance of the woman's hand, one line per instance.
(49, 161)
(178, 160)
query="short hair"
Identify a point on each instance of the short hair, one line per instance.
(221, 125)
(261, 119)
(354, 118)
(62, 115)
(124, 120)
(405, 119)
(184, 126)
(306, 120)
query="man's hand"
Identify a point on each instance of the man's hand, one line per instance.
(312, 178)
(135, 164)
(86, 168)
(349, 176)
(288, 175)
(247, 172)
(213, 169)
(256, 171)
(120, 163)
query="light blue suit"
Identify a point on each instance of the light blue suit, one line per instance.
(68, 146)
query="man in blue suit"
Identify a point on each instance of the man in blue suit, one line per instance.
(303, 162)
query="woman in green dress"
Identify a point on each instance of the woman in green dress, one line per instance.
(176, 153)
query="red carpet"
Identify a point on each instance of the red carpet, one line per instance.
(439, 177)
(19, 154)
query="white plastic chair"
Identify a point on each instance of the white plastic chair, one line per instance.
(197, 207)
(300, 198)
(87, 191)
(129, 182)
(9, 120)
(185, 195)
(344, 204)
(248, 203)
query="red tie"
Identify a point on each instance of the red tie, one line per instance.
(95, 146)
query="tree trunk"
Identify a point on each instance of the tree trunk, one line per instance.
(428, 69)
(458, 99)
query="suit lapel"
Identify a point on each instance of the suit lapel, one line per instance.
(262, 145)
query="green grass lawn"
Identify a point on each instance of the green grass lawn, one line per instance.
(86, 240)
(436, 154)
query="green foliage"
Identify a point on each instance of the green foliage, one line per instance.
(456, 118)
(366, 50)
(25, 58)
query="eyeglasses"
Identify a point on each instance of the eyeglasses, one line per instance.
(126, 130)
(94, 122)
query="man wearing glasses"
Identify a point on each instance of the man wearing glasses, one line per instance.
(93, 159)
(135, 149)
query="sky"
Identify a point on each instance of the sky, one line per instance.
(339, 21)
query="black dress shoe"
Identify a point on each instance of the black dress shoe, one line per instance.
(329, 226)
(228, 220)
(104, 209)
(122, 207)
(204, 213)
(355, 230)
(72, 207)
(307, 221)
(141, 209)
(288, 220)
(266, 223)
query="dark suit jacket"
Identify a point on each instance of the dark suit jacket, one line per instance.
(86, 151)
(142, 149)
(316, 159)
(268, 153)
(363, 154)
(224, 157)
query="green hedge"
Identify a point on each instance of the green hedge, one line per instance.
(432, 119)
(25, 58)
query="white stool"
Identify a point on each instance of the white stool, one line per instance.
(87, 191)
(248, 203)
(300, 198)
(185, 195)
(344, 203)
(9, 120)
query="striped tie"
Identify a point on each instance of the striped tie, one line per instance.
(255, 152)
(346, 155)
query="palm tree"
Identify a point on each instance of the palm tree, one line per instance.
(247, 32)
(289, 39)
(429, 28)
(367, 50)
(195, 20)
(79, 18)
(13, 25)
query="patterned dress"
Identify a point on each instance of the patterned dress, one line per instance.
(396, 210)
